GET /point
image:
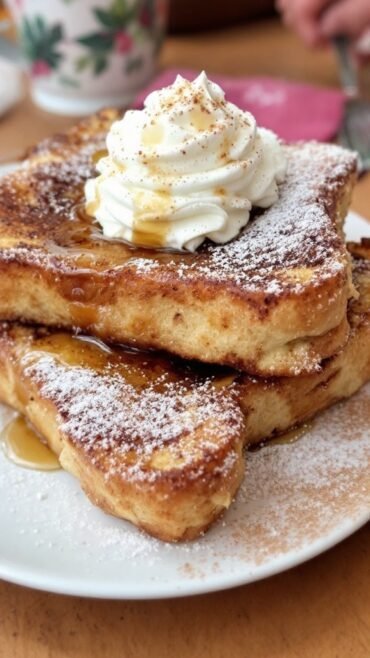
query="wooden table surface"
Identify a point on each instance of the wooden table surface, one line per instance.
(320, 609)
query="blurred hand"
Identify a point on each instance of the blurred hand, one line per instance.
(316, 21)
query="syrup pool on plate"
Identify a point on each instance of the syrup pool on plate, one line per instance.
(23, 447)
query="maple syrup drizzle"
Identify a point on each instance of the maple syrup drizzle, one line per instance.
(291, 436)
(137, 368)
(148, 232)
(23, 447)
(152, 135)
(98, 155)
(220, 383)
(92, 207)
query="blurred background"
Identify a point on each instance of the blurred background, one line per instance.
(80, 55)
(188, 15)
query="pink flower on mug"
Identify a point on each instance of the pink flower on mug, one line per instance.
(40, 43)
(120, 24)
(123, 42)
(40, 68)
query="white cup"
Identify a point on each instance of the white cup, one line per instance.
(82, 55)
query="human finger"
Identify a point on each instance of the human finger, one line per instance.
(346, 17)
(304, 17)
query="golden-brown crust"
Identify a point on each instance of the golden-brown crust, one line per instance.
(148, 444)
(273, 405)
(271, 302)
(158, 441)
(360, 250)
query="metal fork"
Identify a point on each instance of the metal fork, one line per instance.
(355, 128)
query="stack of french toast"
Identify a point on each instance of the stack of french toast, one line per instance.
(147, 372)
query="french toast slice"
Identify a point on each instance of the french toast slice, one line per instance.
(271, 302)
(158, 441)
(147, 443)
(271, 406)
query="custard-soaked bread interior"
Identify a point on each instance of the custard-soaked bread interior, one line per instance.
(156, 440)
(271, 302)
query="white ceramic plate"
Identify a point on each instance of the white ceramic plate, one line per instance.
(297, 501)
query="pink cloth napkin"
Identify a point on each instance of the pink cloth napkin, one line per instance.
(293, 110)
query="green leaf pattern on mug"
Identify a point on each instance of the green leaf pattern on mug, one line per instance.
(119, 27)
(39, 43)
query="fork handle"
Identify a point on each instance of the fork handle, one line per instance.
(347, 70)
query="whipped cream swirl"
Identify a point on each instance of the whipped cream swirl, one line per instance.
(189, 166)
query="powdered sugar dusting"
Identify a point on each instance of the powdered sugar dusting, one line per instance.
(307, 488)
(53, 181)
(296, 498)
(103, 413)
(296, 231)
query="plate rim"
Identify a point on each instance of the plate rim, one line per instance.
(71, 586)
(189, 587)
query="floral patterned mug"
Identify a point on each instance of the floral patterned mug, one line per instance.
(82, 55)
